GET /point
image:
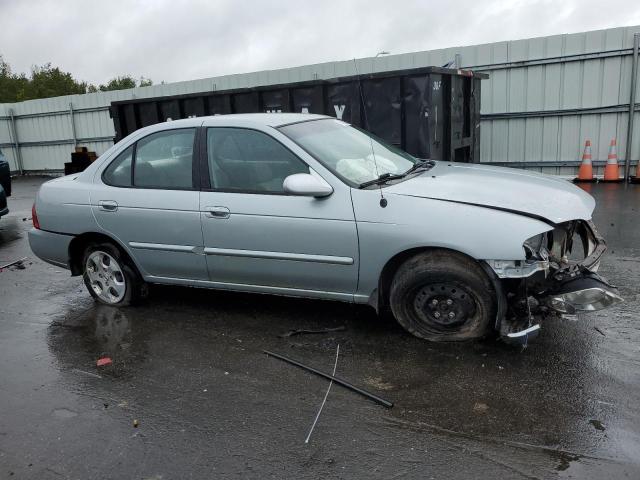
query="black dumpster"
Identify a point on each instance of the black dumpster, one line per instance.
(429, 112)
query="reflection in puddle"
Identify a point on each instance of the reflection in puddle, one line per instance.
(100, 332)
(112, 330)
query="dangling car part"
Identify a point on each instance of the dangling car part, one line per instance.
(586, 292)
(559, 274)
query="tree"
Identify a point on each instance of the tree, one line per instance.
(10, 84)
(145, 82)
(118, 83)
(46, 81)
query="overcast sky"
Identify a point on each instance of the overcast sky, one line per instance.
(175, 40)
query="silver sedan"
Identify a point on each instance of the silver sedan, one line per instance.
(309, 206)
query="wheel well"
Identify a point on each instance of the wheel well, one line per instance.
(391, 267)
(80, 243)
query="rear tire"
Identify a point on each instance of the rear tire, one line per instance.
(443, 296)
(109, 276)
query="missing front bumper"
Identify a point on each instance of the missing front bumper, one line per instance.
(577, 288)
(554, 280)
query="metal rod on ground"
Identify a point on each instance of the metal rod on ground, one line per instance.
(339, 381)
(632, 104)
(13, 263)
(335, 365)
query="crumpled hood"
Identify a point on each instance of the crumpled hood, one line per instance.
(551, 198)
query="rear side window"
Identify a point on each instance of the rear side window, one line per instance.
(249, 161)
(118, 173)
(161, 160)
(165, 160)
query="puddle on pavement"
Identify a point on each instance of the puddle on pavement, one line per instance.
(99, 332)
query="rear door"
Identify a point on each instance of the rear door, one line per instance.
(147, 199)
(255, 235)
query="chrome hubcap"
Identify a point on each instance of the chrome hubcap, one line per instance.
(105, 277)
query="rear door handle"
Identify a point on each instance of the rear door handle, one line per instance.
(108, 205)
(217, 212)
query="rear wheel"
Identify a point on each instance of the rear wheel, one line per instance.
(443, 296)
(109, 277)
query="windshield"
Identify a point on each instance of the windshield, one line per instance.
(347, 150)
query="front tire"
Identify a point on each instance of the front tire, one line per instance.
(443, 296)
(109, 277)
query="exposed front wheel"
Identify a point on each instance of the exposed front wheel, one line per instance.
(108, 277)
(442, 295)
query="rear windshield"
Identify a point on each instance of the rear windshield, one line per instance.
(354, 155)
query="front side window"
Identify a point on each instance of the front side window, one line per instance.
(165, 160)
(354, 155)
(249, 161)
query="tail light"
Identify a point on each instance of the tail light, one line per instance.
(34, 217)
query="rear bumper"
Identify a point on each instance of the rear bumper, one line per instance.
(51, 247)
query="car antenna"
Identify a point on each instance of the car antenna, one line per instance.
(383, 201)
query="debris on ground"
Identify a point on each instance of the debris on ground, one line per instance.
(566, 459)
(597, 424)
(135, 423)
(599, 331)
(335, 365)
(378, 383)
(89, 374)
(19, 264)
(339, 381)
(292, 333)
(104, 361)
(480, 407)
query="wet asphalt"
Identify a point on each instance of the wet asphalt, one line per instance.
(189, 371)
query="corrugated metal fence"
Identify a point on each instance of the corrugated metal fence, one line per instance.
(544, 98)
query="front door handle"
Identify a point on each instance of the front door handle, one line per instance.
(108, 205)
(217, 212)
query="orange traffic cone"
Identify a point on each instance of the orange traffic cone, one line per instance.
(611, 173)
(585, 174)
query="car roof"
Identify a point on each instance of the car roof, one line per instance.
(266, 119)
(238, 119)
(246, 120)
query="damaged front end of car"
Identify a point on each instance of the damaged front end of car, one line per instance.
(558, 276)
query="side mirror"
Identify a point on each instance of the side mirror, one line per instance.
(306, 185)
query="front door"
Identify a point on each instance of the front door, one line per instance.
(146, 198)
(258, 238)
